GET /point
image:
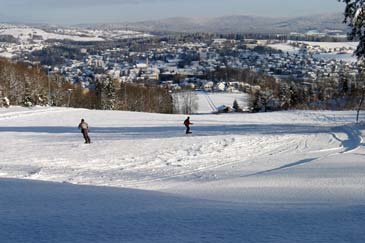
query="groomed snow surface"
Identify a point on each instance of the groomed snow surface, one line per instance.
(296, 176)
(210, 102)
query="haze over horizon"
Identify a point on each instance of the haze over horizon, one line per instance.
(108, 11)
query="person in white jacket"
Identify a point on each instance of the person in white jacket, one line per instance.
(85, 130)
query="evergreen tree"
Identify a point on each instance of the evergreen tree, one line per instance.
(109, 101)
(235, 105)
(294, 97)
(255, 102)
(355, 18)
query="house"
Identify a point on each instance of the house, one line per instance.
(220, 87)
(208, 86)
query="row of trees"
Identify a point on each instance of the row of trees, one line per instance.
(268, 93)
(25, 85)
(132, 97)
(22, 85)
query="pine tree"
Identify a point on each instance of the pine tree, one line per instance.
(255, 102)
(355, 18)
(235, 105)
(110, 98)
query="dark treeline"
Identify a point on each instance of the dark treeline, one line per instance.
(204, 36)
(8, 39)
(292, 37)
(112, 95)
(56, 55)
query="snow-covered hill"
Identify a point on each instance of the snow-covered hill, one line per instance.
(26, 34)
(322, 50)
(294, 176)
(247, 24)
(20, 39)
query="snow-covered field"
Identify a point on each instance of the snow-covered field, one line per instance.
(326, 45)
(209, 102)
(284, 47)
(294, 176)
(30, 39)
(323, 50)
(26, 33)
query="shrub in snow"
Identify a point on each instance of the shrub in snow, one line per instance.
(42, 100)
(27, 102)
(5, 102)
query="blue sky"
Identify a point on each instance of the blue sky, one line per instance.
(106, 11)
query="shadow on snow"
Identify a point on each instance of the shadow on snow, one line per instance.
(173, 131)
(121, 133)
(34, 211)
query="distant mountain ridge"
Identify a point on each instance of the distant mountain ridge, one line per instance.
(244, 24)
(225, 24)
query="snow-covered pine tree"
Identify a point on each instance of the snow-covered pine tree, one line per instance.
(106, 92)
(355, 18)
(110, 98)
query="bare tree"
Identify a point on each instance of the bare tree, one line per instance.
(189, 102)
(360, 105)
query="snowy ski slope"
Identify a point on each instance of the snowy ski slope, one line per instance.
(210, 102)
(295, 176)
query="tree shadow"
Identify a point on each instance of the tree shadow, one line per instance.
(33, 211)
(174, 131)
(287, 166)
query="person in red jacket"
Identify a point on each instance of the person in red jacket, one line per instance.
(187, 124)
(85, 130)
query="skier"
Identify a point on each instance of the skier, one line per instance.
(187, 124)
(85, 130)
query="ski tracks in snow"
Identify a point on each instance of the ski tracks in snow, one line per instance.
(202, 162)
(349, 140)
(147, 162)
(210, 102)
(353, 138)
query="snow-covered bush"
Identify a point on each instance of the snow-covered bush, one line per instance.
(5, 102)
